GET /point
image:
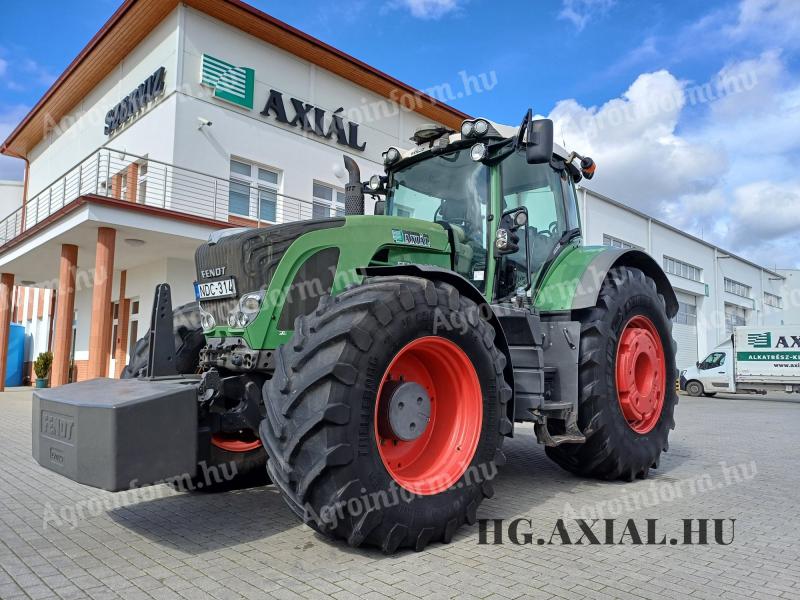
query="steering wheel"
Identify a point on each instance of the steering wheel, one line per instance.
(553, 229)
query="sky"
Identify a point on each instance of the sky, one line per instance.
(690, 109)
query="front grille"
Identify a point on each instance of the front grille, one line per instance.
(251, 258)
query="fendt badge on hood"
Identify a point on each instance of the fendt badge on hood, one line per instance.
(212, 272)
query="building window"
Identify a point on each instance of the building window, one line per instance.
(328, 201)
(738, 289)
(773, 300)
(246, 177)
(735, 316)
(609, 240)
(687, 314)
(682, 269)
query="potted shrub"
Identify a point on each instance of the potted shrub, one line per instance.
(42, 368)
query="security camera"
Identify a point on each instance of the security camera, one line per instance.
(204, 122)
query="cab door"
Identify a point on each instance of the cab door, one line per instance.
(714, 372)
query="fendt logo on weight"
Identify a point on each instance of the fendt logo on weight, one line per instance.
(57, 427)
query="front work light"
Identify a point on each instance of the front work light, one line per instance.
(478, 152)
(391, 156)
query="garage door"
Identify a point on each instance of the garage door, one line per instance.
(684, 330)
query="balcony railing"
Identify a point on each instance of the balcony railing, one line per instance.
(145, 181)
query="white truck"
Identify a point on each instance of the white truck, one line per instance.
(755, 360)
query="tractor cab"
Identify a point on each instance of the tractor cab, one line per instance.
(501, 193)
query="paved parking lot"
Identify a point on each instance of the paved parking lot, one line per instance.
(57, 539)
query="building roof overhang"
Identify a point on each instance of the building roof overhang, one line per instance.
(135, 19)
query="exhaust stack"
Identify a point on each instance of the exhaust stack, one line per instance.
(353, 190)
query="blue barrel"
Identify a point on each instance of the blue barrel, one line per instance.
(16, 355)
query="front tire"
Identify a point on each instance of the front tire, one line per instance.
(342, 463)
(626, 370)
(694, 388)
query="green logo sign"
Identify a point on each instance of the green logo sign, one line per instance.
(401, 236)
(229, 82)
(760, 340)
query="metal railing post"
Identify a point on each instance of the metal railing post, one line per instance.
(214, 203)
(164, 196)
(108, 176)
(80, 178)
(97, 176)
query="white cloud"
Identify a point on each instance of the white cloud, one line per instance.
(428, 9)
(640, 158)
(774, 21)
(580, 12)
(714, 159)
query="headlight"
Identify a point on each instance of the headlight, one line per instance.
(207, 321)
(478, 152)
(467, 129)
(501, 239)
(392, 155)
(249, 306)
(251, 303)
(374, 183)
(481, 127)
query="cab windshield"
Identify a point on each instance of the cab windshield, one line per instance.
(453, 190)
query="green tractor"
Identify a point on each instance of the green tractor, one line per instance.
(376, 363)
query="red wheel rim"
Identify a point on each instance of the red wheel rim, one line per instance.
(244, 443)
(641, 374)
(436, 459)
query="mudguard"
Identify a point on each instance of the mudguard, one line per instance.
(575, 279)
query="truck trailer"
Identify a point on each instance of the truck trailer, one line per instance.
(754, 360)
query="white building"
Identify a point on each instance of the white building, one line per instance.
(716, 289)
(791, 296)
(10, 197)
(172, 123)
(179, 119)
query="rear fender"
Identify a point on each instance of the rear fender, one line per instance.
(574, 282)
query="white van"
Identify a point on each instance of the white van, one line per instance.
(756, 360)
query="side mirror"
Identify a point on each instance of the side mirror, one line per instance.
(380, 207)
(539, 142)
(697, 364)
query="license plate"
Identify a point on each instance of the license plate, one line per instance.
(225, 288)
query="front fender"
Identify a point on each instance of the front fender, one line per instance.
(575, 279)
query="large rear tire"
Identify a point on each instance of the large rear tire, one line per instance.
(346, 459)
(244, 459)
(626, 370)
